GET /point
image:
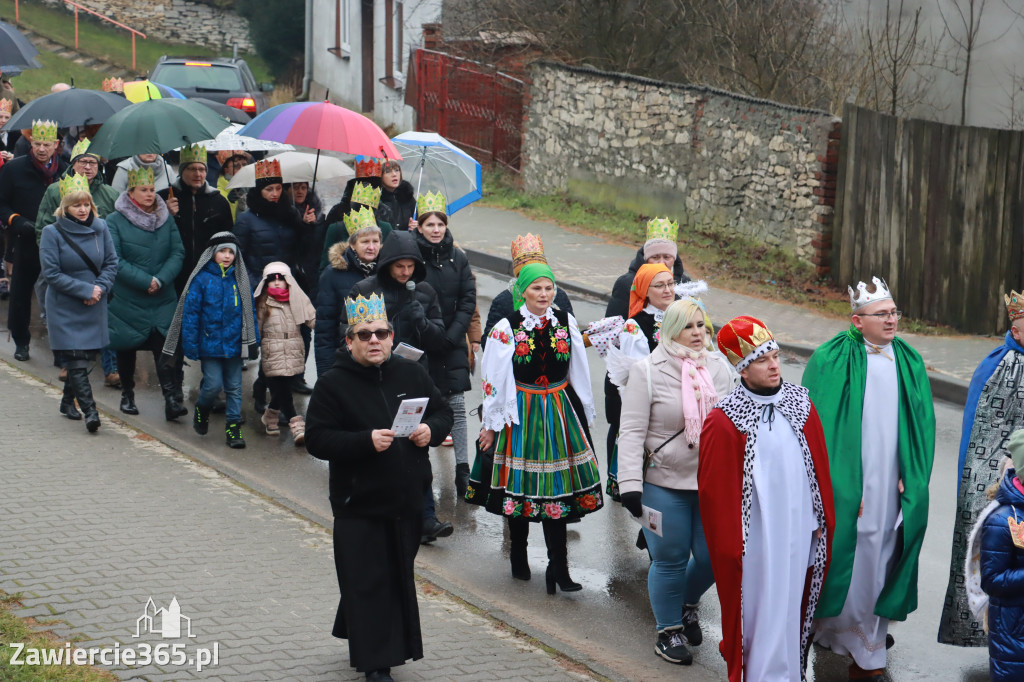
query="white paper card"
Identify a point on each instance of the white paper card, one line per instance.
(649, 519)
(410, 414)
(408, 352)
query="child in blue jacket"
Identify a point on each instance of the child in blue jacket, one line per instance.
(217, 320)
(1002, 570)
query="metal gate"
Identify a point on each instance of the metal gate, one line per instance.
(471, 104)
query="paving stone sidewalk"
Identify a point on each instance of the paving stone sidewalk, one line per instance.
(95, 526)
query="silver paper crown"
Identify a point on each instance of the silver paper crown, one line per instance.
(862, 297)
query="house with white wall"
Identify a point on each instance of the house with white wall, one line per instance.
(361, 50)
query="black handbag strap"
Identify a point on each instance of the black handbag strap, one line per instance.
(88, 261)
(671, 438)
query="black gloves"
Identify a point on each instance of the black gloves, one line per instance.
(254, 351)
(417, 315)
(23, 227)
(632, 502)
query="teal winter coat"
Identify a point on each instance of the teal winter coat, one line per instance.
(143, 254)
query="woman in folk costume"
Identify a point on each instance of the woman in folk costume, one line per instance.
(544, 467)
(766, 507)
(667, 398)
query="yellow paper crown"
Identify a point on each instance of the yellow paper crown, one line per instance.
(363, 193)
(44, 131)
(73, 182)
(140, 176)
(113, 85)
(5, 105)
(268, 169)
(193, 153)
(81, 147)
(1014, 305)
(357, 220)
(528, 249)
(362, 309)
(662, 228)
(431, 202)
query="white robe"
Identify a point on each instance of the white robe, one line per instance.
(857, 631)
(779, 551)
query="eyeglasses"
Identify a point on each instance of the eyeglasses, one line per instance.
(365, 334)
(660, 287)
(86, 163)
(884, 316)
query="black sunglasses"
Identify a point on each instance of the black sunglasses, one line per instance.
(365, 334)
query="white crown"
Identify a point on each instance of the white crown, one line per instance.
(862, 297)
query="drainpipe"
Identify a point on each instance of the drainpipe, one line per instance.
(307, 76)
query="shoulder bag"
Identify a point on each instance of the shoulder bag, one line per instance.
(81, 254)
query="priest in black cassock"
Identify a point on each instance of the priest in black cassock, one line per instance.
(377, 485)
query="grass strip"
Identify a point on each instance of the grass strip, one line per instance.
(26, 631)
(110, 43)
(714, 253)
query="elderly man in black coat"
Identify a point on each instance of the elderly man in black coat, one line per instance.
(378, 482)
(23, 180)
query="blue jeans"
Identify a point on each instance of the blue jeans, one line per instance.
(109, 360)
(680, 564)
(222, 374)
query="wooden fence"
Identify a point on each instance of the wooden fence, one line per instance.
(934, 209)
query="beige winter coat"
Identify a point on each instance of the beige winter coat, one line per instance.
(282, 352)
(649, 423)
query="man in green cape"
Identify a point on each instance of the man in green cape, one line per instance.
(872, 393)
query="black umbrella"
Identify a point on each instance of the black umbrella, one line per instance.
(230, 113)
(16, 51)
(68, 108)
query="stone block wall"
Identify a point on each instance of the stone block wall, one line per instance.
(702, 156)
(174, 21)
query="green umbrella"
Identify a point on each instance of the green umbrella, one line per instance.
(155, 127)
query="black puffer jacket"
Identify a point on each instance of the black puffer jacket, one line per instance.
(268, 232)
(618, 304)
(200, 216)
(397, 207)
(347, 404)
(449, 274)
(416, 314)
(336, 282)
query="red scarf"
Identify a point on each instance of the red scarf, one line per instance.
(280, 295)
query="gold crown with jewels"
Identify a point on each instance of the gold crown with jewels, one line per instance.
(73, 182)
(662, 228)
(1014, 305)
(140, 177)
(362, 309)
(193, 153)
(357, 220)
(431, 202)
(366, 195)
(44, 131)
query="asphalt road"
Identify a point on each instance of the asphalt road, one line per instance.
(609, 624)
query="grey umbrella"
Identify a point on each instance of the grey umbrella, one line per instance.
(16, 51)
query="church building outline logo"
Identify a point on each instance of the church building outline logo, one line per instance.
(163, 622)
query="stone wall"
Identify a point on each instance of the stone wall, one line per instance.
(702, 156)
(175, 21)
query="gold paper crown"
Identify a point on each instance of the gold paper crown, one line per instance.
(193, 153)
(362, 309)
(73, 182)
(528, 249)
(268, 168)
(81, 147)
(662, 228)
(370, 168)
(431, 202)
(44, 131)
(357, 220)
(363, 193)
(1014, 305)
(861, 297)
(113, 85)
(140, 176)
(5, 105)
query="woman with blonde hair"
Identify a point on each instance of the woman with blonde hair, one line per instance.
(79, 263)
(666, 400)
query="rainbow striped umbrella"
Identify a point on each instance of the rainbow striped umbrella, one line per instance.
(321, 125)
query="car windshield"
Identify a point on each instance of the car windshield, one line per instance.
(207, 78)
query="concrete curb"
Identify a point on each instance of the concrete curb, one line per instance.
(945, 388)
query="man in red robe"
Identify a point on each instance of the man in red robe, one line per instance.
(765, 503)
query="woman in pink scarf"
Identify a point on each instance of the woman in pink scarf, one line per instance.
(666, 400)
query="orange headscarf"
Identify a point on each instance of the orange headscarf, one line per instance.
(638, 292)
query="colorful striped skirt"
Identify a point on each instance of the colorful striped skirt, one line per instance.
(543, 467)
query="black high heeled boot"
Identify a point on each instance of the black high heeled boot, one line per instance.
(519, 532)
(126, 368)
(67, 403)
(555, 537)
(78, 377)
(167, 376)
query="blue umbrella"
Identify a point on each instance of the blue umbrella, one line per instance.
(432, 163)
